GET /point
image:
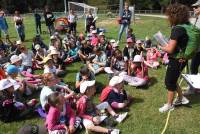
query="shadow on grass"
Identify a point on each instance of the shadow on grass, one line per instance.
(151, 82)
(194, 99)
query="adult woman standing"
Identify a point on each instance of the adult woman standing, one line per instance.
(90, 21)
(72, 20)
(19, 25)
(125, 21)
(177, 14)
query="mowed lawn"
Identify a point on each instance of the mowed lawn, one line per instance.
(144, 117)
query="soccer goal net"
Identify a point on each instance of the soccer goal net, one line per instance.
(81, 9)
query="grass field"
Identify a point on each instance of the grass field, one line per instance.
(144, 117)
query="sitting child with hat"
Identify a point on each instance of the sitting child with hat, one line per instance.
(137, 72)
(10, 110)
(90, 113)
(39, 56)
(94, 38)
(115, 94)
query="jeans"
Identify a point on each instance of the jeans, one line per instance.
(20, 32)
(51, 29)
(122, 27)
(38, 28)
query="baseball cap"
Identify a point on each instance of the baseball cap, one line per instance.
(33, 129)
(11, 69)
(138, 42)
(18, 42)
(53, 37)
(14, 59)
(5, 83)
(196, 4)
(138, 58)
(115, 80)
(37, 46)
(112, 41)
(101, 34)
(85, 85)
(129, 40)
(54, 51)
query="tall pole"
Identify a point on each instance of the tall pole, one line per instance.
(65, 4)
(121, 2)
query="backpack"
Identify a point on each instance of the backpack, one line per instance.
(193, 42)
(105, 92)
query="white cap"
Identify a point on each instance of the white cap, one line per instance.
(37, 46)
(138, 58)
(14, 59)
(5, 83)
(101, 34)
(115, 80)
(85, 85)
(112, 41)
(94, 31)
(18, 42)
(196, 4)
(115, 45)
(53, 37)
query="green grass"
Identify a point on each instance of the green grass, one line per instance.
(144, 117)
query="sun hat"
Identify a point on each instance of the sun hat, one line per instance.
(101, 34)
(33, 129)
(46, 59)
(14, 59)
(112, 41)
(5, 83)
(11, 69)
(115, 80)
(196, 4)
(85, 85)
(37, 46)
(94, 31)
(138, 58)
(129, 40)
(15, 84)
(19, 42)
(54, 52)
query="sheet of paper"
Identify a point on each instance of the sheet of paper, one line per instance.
(160, 38)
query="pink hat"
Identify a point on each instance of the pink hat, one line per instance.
(129, 40)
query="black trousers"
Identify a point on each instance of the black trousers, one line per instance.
(195, 63)
(72, 27)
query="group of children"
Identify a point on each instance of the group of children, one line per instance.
(64, 109)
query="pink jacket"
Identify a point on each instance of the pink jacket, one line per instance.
(138, 73)
(94, 41)
(53, 118)
(81, 107)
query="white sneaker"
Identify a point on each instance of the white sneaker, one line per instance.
(115, 131)
(121, 117)
(166, 108)
(182, 101)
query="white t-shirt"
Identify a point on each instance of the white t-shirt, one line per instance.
(49, 70)
(72, 18)
(46, 91)
(27, 58)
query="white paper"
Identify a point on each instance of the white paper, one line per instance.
(102, 117)
(108, 70)
(160, 38)
(193, 80)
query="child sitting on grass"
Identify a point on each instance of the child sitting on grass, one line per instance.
(91, 113)
(138, 72)
(118, 65)
(52, 84)
(83, 75)
(115, 94)
(98, 63)
(72, 54)
(152, 58)
(60, 118)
